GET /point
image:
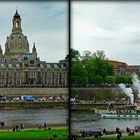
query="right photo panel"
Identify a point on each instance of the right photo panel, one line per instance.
(105, 70)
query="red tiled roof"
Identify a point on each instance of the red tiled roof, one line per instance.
(117, 63)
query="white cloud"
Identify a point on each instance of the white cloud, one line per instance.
(110, 26)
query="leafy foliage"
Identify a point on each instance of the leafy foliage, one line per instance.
(93, 68)
(90, 69)
(75, 55)
(110, 79)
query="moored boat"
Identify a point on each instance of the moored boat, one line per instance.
(120, 116)
(121, 112)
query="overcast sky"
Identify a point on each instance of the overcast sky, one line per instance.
(45, 23)
(110, 26)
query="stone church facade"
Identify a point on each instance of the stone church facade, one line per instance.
(21, 68)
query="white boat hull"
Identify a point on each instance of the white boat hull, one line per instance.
(120, 116)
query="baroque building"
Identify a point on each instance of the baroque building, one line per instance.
(21, 68)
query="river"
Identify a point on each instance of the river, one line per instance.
(34, 117)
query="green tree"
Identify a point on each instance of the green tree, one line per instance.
(75, 55)
(129, 80)
(87, 55)
(78, 74)
(99, 54)
(90, 70)
(97, 79)
(121, 79)
(110, 79)
(103, 68)
(90, 67)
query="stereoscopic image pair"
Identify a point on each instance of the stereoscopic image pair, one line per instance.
(53, 90)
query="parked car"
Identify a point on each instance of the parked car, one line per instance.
(27, 98)
(16, 99)
(3, 98)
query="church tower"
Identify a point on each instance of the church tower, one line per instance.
(17, 43)
(16, 23)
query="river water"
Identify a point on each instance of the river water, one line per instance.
(89, 120)
(34, 117)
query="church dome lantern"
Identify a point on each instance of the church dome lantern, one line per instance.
(17, 42)
(16, 23)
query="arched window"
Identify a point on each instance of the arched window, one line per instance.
(17, 24)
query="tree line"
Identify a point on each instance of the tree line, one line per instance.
(93, 68)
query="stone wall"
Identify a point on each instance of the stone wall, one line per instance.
(25, 105)
(33, 91)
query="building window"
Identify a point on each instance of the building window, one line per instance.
(17, 24)
(25, 58)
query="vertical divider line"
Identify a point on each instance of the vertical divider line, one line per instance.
(69, 78)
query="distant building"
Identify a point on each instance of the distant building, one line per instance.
(135, 68)
(120, 68)
(19, 67)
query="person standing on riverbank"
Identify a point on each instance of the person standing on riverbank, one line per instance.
(14, 128)
(17, 128)
(45, 126)
(21, 126)
(118, 136)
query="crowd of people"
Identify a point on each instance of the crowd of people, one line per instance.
(102, 132)
(17, 127)
(43, 126)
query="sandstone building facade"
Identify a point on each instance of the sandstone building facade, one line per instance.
(21, 68)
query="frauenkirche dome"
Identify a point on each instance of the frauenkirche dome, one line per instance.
(17, 42)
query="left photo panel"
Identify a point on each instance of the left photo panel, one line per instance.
(34, 68)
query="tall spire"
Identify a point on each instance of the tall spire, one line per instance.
(16, 9)
(34, 44)
(34, 48)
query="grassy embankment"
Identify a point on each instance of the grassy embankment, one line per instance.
(35, 134)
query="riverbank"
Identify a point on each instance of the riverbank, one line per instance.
(35, 134)
(90, 107)
(32, 105)
(113, 138)
(100, 94)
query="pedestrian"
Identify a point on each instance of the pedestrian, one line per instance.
(45, 126)
(42, 125)
(13, 128)
(120, 133)
(104, 131)
(83, 133)
(21, 126)
(127, 130)
(39, 127)
(118, 136)
(117, 130)
(2, 124)
(17, 128)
